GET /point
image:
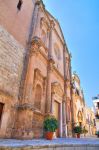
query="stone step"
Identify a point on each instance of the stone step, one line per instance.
(56, 144)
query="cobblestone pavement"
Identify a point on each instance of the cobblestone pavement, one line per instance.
(44, 142)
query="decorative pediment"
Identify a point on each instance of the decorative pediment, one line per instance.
(56, 88)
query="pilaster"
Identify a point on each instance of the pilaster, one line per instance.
(36, 17)
(28, 88)
(48, 94)
(49, 70)
(23, 124)
(52, 25)
(64, 116)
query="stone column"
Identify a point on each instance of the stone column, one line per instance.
(65, 93)
(51, 39)
(37, 22)
(52, 102)
(48, 94)
(28, 88)
(35, 18)
(64, 117)
(61, 120)
(49, 71)
(23, 123)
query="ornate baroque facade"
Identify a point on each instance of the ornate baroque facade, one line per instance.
(78, 102)
(35, 71)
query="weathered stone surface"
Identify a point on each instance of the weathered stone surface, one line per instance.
(11, 63)
(43, 66)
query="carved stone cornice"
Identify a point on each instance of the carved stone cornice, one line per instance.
(24, 106)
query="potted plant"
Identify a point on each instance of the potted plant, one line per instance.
(78, 131)
(97, 133)
(50, 126)
(84, 131)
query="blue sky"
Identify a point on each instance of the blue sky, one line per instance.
(79, 20)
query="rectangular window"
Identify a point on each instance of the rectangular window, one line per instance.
(1, 111)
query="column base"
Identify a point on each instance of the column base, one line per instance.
(49, 115)
(23, 125)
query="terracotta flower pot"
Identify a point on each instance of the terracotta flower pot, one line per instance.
(78, 135)
(49, 135)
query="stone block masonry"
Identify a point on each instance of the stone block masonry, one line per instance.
(11, 63)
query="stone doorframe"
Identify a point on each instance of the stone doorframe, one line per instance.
(57, 95)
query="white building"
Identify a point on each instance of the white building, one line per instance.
(96, 110)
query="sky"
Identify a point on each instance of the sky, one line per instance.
(79, 20)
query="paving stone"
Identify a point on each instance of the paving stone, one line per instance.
(56, 144)
(83, 147)
(93, 148)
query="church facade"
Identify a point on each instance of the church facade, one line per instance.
(35, 71)
(78, 102)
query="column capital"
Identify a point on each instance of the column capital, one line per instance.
(35, 46)
(64, 97)
(51, 64)
(38, 2)
(51, 60)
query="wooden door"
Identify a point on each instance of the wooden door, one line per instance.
(57, 114)
(1, 111)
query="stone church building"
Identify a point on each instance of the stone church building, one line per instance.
(35, 71)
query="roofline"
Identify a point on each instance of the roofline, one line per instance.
(60, 29)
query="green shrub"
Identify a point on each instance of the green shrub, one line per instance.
(50, 124)
(77, 129)
(97, 132)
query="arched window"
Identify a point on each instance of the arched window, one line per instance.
(43, 36)
(57, 52)
(38, 97)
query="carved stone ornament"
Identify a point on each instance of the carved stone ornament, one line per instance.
(52, 24)
(38, 76)
(51, 60)
(40, 3)
(35, 45)
(64, 96)
(44, 22)
(56, 88)
(24, 106)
